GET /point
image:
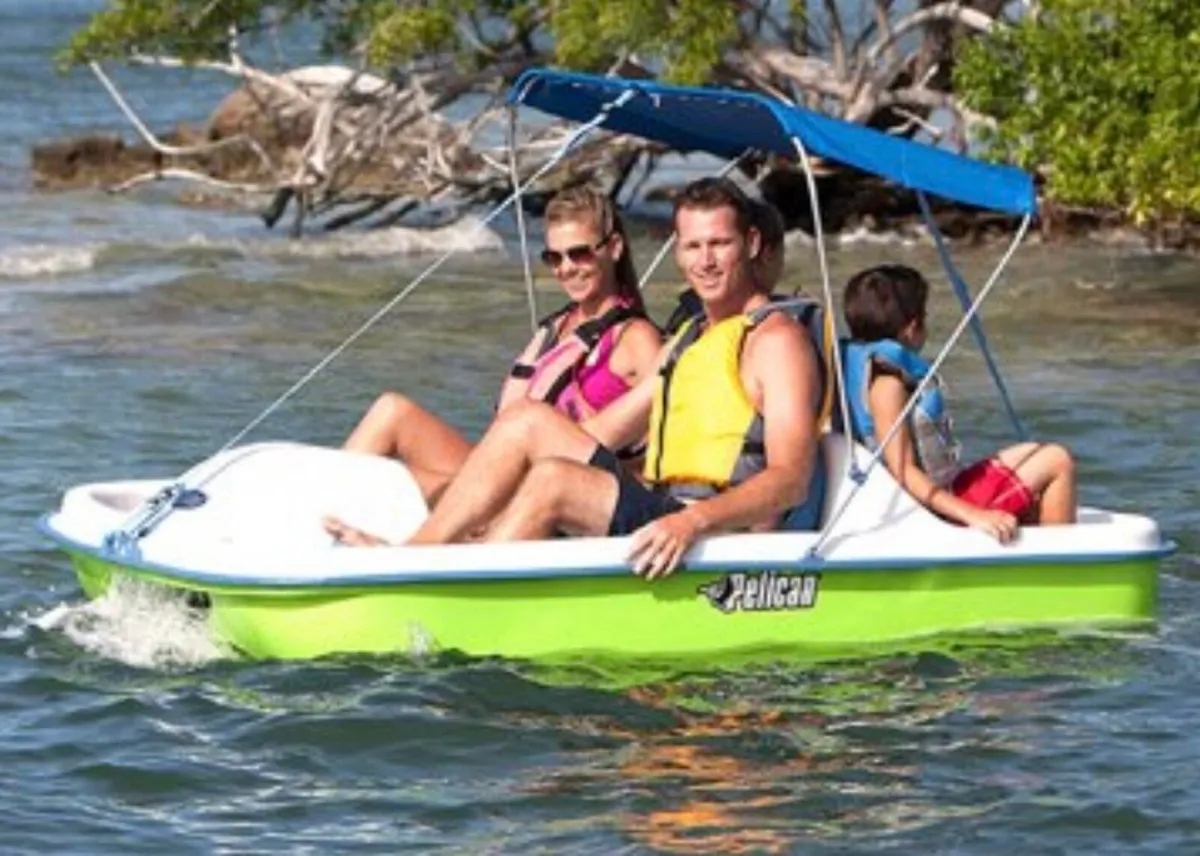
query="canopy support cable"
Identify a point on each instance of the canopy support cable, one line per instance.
(831, 324)
(964, 299)
(519, 209)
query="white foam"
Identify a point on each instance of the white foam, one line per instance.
(138, 624)
(467, 235)
(31, 260)
(862, 235)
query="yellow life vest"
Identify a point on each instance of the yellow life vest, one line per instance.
(704, 430)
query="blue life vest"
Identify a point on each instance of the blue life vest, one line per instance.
(938, 452)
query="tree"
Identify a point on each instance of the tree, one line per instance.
(1103, 95)
(380, 133)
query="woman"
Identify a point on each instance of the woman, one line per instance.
(581, 358)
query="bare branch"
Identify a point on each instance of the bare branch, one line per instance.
(837, 45)
(883, 22)
(188, 175)
(953, 11)
(158, 145)
(915, 121)
(918, 96)
(234, 69)
(809, 73)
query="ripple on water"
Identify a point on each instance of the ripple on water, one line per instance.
(123, 728)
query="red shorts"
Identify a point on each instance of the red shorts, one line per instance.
(989, 484)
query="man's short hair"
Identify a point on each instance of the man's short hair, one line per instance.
(769, 223)
(881, 301)
(707, 194)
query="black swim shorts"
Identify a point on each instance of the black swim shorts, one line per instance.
(637, 504)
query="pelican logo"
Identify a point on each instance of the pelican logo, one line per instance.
(765, 590)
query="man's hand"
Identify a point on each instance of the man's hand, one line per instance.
(999, 524)
(659, 546)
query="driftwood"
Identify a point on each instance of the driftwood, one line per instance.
(336, 146)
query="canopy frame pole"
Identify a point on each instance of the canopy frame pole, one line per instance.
(877, 455)
(519, 209)
(123, 541)
(831, 324)
(964, 299)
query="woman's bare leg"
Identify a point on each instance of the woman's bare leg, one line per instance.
(1048, 470)
(397, 427)
(522, 435)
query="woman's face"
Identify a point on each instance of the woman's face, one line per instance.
(583, 259)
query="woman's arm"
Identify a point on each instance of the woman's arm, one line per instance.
(514, 387)
(636, 352)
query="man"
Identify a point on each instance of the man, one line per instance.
(731, 416)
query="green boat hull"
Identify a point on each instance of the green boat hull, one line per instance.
(683, 615)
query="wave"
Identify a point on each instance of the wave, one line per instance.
(467, 235)
(33, 260)
(864, 236)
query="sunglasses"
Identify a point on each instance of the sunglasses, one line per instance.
(580, 254)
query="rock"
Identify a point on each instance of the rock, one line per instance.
(92, 160)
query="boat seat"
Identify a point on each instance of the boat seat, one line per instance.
(276, 493)
(880, 500)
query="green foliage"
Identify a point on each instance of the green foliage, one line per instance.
(1101, 93)
(685, 38)
(401, 33)
(190, 29)
(688, 37)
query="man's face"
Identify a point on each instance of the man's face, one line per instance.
(712, 254)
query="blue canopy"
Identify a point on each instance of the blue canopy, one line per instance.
(727, 122)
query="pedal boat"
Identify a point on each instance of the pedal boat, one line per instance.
(241, 530)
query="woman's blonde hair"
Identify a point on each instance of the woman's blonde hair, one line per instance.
(578, 203)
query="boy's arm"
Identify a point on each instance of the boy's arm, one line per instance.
(886, 398)
(780, 360)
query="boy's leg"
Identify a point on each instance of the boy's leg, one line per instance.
(1048, 470)
(522, 435)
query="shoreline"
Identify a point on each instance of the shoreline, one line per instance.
(853, 204)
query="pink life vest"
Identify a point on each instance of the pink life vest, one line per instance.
(573, 374)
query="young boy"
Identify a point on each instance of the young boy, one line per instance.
(1026, 483)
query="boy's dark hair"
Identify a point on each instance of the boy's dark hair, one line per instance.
(706, 194)
(881, 301)
(769, 222)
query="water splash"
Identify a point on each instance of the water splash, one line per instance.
(139, 624)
